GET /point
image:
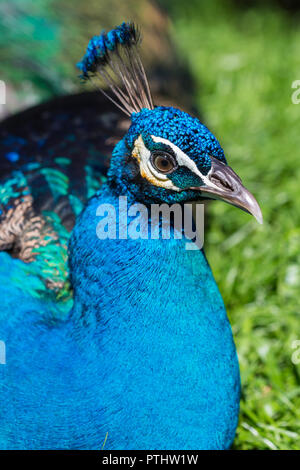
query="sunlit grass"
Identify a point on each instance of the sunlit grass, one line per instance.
(244, 62)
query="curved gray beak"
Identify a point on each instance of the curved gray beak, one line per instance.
(223, 183)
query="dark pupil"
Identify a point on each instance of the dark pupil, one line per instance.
(163, 163)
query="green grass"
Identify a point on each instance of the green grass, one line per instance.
(244, 62)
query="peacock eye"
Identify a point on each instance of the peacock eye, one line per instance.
(163, 162)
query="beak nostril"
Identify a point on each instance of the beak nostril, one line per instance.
(227, 186)
(222, 182)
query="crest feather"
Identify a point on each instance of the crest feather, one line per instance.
(113, 58)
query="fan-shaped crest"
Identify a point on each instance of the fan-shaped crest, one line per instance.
(113, 58)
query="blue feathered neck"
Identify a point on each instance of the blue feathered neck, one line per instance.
(88, 278)
(150, 319)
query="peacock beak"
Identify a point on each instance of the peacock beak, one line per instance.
(223, 183)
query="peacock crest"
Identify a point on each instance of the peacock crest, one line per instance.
(113, 58)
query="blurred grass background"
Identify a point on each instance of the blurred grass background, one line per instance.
(242, 58)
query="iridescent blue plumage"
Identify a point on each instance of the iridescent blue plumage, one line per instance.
(143, 352)
(185, 131)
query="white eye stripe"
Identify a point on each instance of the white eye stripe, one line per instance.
(181, 157)
(184, 160)
(143, 155)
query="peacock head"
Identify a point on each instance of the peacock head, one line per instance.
(167, 155)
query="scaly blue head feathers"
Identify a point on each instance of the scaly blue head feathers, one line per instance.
(183, 130)
(167, 155)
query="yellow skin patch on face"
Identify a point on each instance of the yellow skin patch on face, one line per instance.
(152, 180)
(143, 156)
(136, 155)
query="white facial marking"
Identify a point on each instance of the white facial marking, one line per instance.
(143, 155)
(184, 160)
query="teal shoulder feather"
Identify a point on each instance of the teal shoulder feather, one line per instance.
(53, 158)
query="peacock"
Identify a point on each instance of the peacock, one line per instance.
(111, 340)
